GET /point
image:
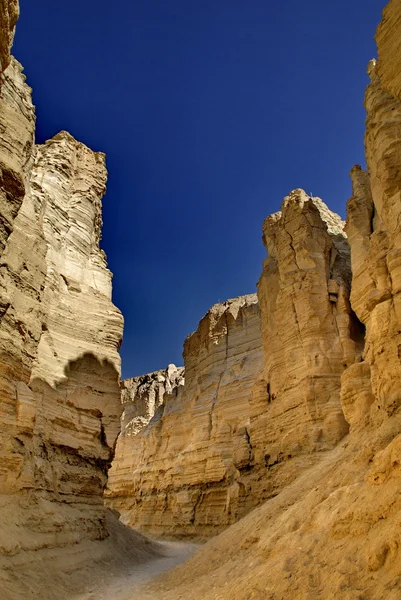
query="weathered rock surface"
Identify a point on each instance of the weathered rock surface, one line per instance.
(389, 48)
(184, 472)
(246, 425)
(243, 426)
(9, 13)
(59, 363)
(374, 214)
(142, 396)
(335, 531)
(308, 330)
(17, 122)
(59, 335)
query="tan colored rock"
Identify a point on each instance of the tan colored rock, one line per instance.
(59, 362)
(389, 48)
(372, 225)
(142, 396)
(335, 531)
(307, 331)
(17, 122)
(185, 472)
(59, 338)
(243, 428)
(9, 13)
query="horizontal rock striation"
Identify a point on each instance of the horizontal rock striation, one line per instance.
(262, 389)
(17, 121)
(308, 329)
(389, 48)
(374, 212)
(59, 363)
(184, 473)
(142, 396)
(59, 335)
(334, 532)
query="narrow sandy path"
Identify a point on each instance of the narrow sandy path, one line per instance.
(131, 586)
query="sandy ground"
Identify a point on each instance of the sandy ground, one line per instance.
(134, 584)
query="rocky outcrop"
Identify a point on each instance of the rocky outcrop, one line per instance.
(60, 336)
(334, 532)
(17, 122)
(243, 427)
(59, 363)
(309, 332)
(9, 13)
(184, 473)
(271, 387)
(142, 396)
(374, 212)
(389, 48)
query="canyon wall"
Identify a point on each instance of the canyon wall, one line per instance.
(309, 332)
(291, 398)
(183, 473)
(262, 388)
(335, 531)
(59, 339)
(142, 396)
(9, 13)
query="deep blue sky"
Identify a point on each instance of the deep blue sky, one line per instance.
(210, 112)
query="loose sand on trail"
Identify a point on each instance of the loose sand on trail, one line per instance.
(134, 584)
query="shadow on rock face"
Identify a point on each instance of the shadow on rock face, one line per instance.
(58, 443)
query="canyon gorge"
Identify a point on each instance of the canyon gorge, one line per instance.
(278, 443)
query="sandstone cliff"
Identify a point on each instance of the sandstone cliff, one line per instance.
(142, 396)
(59, 338)
(184, 473)
(262, 391)
(308, 329)
(9, 13)
(291, 397)
(335, 531)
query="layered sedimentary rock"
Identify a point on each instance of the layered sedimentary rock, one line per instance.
(335, 531)
(9, 13)
(142, 396)
(59, 336)
(59, 363)
(374, 214)
(243, 427)
(17, 120)
(183, 473)
(309, 332)
(389, 48)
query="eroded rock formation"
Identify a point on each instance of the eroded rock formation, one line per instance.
(59, 335)
(9, 13)
(184, 473)
(309, 332)
(374, 213)
(335, 531)
(389, 48)
(271, 387)
(245, 425)
(142, 396)
(59, 338)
